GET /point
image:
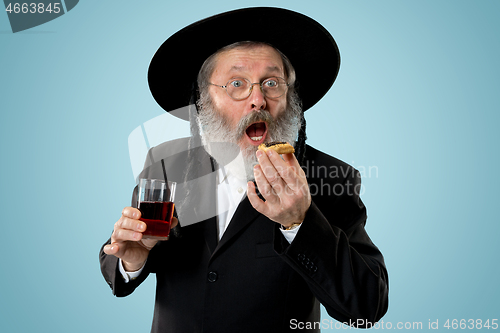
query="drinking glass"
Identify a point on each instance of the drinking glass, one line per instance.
(156, 203)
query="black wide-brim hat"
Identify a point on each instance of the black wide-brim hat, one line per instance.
(307, 44)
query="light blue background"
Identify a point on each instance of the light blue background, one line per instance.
(416, 100)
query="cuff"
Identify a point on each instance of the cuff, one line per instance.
(290, 234)
(127, 276)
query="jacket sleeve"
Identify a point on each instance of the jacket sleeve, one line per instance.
(333, 253)
(112, 275)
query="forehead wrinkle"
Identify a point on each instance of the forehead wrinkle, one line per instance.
(236, 68)
(269, 69)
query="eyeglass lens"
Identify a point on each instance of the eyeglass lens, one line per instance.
(240, 88)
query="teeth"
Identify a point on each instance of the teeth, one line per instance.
(256, 138)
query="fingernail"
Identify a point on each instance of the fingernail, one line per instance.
(259, 154)
(270, 152)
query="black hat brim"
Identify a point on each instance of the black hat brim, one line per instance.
(307, 44)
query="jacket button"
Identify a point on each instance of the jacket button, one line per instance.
(212, 277)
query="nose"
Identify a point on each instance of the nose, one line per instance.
(257, 98)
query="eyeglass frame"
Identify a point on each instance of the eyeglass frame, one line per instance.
(251, 87)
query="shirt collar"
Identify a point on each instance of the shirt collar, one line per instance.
(225, 176)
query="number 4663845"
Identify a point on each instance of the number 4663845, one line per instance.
(471, 324)
(33, 8)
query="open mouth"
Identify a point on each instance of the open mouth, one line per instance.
(256, 132)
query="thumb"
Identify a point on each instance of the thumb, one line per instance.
(174, 223)
(112, 249)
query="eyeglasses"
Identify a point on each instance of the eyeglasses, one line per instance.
(240, 88)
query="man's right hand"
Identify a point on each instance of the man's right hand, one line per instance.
(126, 240)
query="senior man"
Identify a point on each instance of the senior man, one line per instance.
(262, 262)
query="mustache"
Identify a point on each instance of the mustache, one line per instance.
(254, 117)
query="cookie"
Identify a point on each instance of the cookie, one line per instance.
(277, 146)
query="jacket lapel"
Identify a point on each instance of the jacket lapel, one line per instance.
(210, 232)
(243, 215)
(206, 167)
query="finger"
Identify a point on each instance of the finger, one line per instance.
(114, 249)
(121, 235)
(174, 223)
(130, 224)
(131, 212)
(282, 166)
(275, 159)
(292, 161)
(254, 199)
(287, 171)
(265, 188)
(110, 249)
(269, 170)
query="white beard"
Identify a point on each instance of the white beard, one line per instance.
(228, 154)
(222, 141)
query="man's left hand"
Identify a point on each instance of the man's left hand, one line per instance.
(283, 184)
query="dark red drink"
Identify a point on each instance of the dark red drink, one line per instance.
(157, 215)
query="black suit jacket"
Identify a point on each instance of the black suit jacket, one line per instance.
(253, 280)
